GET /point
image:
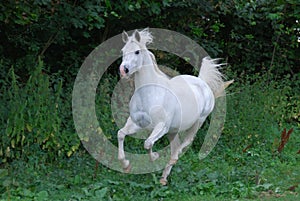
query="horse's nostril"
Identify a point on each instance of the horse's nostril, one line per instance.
(126, 69)
(123, 70)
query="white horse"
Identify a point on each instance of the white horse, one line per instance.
(165, 105)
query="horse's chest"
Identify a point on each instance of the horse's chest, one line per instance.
(140, 118)
(148, 109)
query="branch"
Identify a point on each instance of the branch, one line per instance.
(48, 43)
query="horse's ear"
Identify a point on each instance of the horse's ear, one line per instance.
(137, 36)
(124, 36)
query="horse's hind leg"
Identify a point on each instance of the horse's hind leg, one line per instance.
(190, 135)
(129, 129)
(177, 149)
(174, 143)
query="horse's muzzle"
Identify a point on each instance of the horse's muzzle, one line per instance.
(124, 70)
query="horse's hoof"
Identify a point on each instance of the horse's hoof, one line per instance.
(163, 181)
(127, 169)
(154, 156)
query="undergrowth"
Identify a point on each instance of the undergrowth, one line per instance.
(41, 156)
(36, 116)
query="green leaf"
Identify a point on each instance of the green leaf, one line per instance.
(28, 193)
(42, 195)
(249, 36)
(166, 3)
(101, 193)
(138, 5)
(108, 4)
(267, 186)
(131, 7)
(3, 173)
(273, 16)
(6, 183)
(77, 179)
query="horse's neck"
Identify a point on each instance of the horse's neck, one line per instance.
(156, 66)
(149, 73)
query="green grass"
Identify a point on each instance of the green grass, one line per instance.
(285, 197)
(217, 177)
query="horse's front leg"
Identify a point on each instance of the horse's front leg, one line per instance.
(129, 129)
(159, 130)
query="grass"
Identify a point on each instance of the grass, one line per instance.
(286, 197)
(217, 177)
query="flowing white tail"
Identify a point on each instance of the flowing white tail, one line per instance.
(210, 73)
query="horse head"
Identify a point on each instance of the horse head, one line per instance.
(134, 51)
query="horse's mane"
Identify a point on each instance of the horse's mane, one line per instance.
(146, 36)
(156, 66)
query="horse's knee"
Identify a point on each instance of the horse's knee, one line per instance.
(121, 135)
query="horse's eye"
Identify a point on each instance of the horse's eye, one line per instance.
(137, 52)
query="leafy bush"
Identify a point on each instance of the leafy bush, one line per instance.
(33, 117)
(259, 109)
(257, 36)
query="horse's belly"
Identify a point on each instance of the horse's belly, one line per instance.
(196, 100)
